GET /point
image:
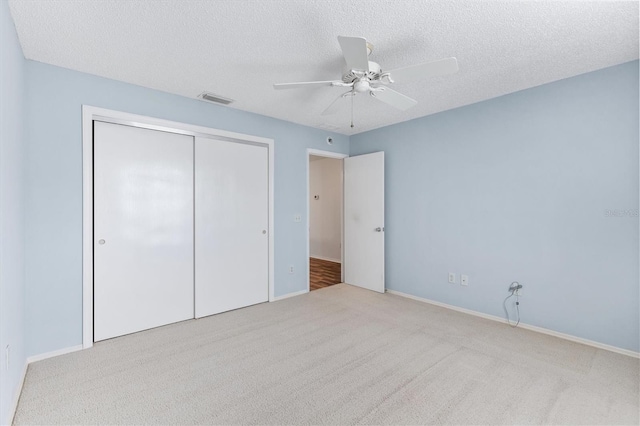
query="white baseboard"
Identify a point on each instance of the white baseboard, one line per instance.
(328, 259)
(16, 397)
(53, 353)
(29, 360)
(542, 330)
(288, 295)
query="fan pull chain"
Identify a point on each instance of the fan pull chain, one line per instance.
(352, 110)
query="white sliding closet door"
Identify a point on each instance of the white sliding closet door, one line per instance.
(143, 229)
(232, 242)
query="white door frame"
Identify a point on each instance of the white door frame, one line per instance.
(90, 114)
(339, 156)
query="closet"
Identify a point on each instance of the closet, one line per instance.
(180, 227)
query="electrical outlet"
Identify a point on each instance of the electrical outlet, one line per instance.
(452, 277)
(291, 269)
(297, 218)
(464, 279)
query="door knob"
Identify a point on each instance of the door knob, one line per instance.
(378, 229)
(101, 242)
(264, 231)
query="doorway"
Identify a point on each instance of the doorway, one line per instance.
(361, 212)
(325, 210)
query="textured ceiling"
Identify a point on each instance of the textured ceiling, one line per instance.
(238, 49)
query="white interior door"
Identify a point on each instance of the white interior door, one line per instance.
(143, 229)
(364, 221)
(232, 222)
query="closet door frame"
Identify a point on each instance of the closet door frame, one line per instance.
(91, 114)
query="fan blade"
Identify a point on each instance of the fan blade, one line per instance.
(281, 86)
(354, 50)
(393, 98)
(429, 69)
(333, 108)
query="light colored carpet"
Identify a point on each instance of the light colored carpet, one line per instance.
(339, 355)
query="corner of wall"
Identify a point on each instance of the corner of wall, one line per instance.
(12, 160)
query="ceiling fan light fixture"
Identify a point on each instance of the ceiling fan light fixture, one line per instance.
(362, 86)
(365, 76)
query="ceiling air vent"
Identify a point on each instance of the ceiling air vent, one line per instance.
(214, 98)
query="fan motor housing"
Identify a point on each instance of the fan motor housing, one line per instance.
(352, 75)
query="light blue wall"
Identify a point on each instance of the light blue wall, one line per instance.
(11, 212)
(516, 188)
(513, 188)
(54, 187)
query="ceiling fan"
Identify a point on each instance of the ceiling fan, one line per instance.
(364, 76)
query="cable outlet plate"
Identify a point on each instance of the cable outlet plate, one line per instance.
(515, 286)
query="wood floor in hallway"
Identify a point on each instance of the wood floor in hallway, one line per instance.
(323, 273)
